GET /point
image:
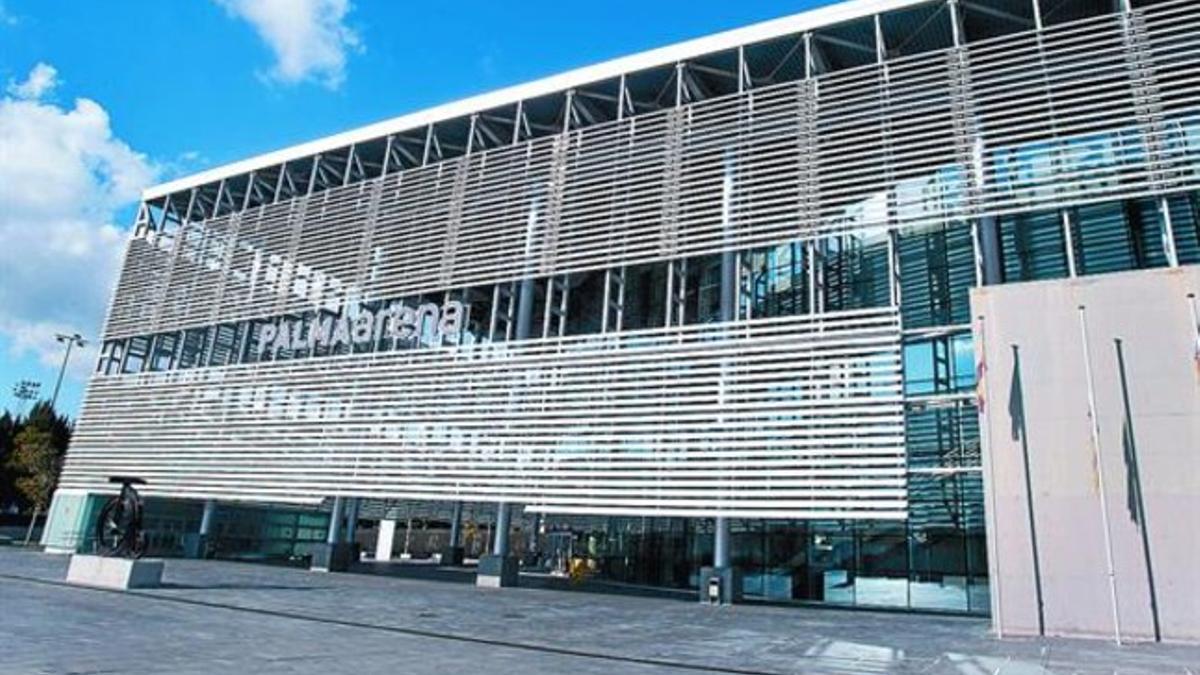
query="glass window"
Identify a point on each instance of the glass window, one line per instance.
(924, 28)
(978, 595)
(225, 347)
(1033, 246)
(505, 297)
(585, 303)
(882, 575)
(939, 576)
(856, 271)
(1117, 236)
(939, 365)
(1065, 11)
(777, 281)
(997, 18)
(845, 45)
(785, 559)
(645, 296)
(253, 351)
(191, 352)
(364, 347)
(703, 293)
(937, 271)
(135, 358)
(830, 573)
(110, 357)
(1185, 225)
(539, 306)
(164, 351)
(942, 434)
(748, 550)
(478, 303)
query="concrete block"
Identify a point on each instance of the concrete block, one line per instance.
(116, 573)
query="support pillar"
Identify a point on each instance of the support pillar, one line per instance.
(500, 543)
(351, 528)
(990, 247)
(198, 546)
(406, 554)
(722, 582)
(452, 554)
(721, 556)
(335, 555)
(500, 569)
(334, 534)
(1168, 232)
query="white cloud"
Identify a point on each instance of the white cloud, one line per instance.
(7, 18)
(63, 177)
(41, 81)
(308, 37)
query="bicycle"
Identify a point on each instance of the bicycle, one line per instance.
(119, 527)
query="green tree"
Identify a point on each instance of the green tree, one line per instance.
(36, 458)
(8, 433)
(35, 463)
(43, 416)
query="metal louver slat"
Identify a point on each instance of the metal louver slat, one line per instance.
(795, 417)
(1074, 114)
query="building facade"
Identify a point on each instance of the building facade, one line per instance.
(716, 295)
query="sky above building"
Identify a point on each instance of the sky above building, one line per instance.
(99, 100)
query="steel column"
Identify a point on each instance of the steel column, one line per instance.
(207, 518)
(1069, 244)
(456, 524)
(990, 262)
(1168, 232)
(334, 534)
(500, 542)
(729, 312)
(524, 325)
(352, 519)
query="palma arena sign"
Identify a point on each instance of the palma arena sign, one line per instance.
(425, 324)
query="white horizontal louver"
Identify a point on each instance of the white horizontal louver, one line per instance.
(799, 417)
(1094, 110)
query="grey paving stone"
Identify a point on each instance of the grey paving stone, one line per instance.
(220, 617)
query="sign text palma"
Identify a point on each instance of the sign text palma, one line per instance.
(397, 321)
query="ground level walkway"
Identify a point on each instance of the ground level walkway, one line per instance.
(242, 618)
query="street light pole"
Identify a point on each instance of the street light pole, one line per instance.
(75, 339)
(71, 340)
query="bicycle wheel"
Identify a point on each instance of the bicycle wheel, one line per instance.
(110, 528)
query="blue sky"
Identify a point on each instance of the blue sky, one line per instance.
(132, 93)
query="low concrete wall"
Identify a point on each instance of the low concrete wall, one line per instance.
(1046, 533)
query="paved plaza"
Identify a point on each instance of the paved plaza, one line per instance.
(241, 618)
